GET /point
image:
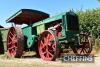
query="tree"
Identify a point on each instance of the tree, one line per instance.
(98, 0)
(90, 21)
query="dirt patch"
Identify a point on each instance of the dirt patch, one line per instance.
(37, 62)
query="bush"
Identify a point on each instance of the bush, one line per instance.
(90, 22)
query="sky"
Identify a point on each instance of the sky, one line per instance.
(52, 7)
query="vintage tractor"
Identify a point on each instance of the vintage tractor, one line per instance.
(49, 36)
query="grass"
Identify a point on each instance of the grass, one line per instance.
(28, 60)
(96, 46)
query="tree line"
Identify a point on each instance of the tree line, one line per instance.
(90, 21)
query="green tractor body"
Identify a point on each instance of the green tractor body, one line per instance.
(57, 30)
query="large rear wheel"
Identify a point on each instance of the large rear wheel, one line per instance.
(15, 44)
(47, 45)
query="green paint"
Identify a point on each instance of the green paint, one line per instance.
(49, 20)
(27, 31)
(3, 36)
(40, 29)
(32, 31)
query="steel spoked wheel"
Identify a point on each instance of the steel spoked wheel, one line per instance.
(47, 46)
(14, 42)
(86, 46)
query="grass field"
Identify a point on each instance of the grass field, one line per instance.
(37, 62)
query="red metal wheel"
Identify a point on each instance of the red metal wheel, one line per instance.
(14, 42)
(86, 45)
(47, 45)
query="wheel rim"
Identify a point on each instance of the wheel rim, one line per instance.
(11, 42)
(47, 46)
(85, 48)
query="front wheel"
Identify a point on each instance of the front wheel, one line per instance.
(85, 45)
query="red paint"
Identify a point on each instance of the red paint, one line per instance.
(46, 48)
(11, 42)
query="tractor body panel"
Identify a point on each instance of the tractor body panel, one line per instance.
(3, 39)
(32, 31)
(68, 21)
(27, 31)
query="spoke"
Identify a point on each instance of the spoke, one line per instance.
(81, 51)
(12, 47)
(15, 41)
(47, 55)
(44, 52)
(10, 42)
(50, 50)
(43, 40)
(53, 46)
(11, 33)
(13, 52)
(10, 38)
(44, 48)
(48, 36)
(43, 44)
(41, 47)
(87, 50)
(14, 37)
(50, 54)
(47, 40)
